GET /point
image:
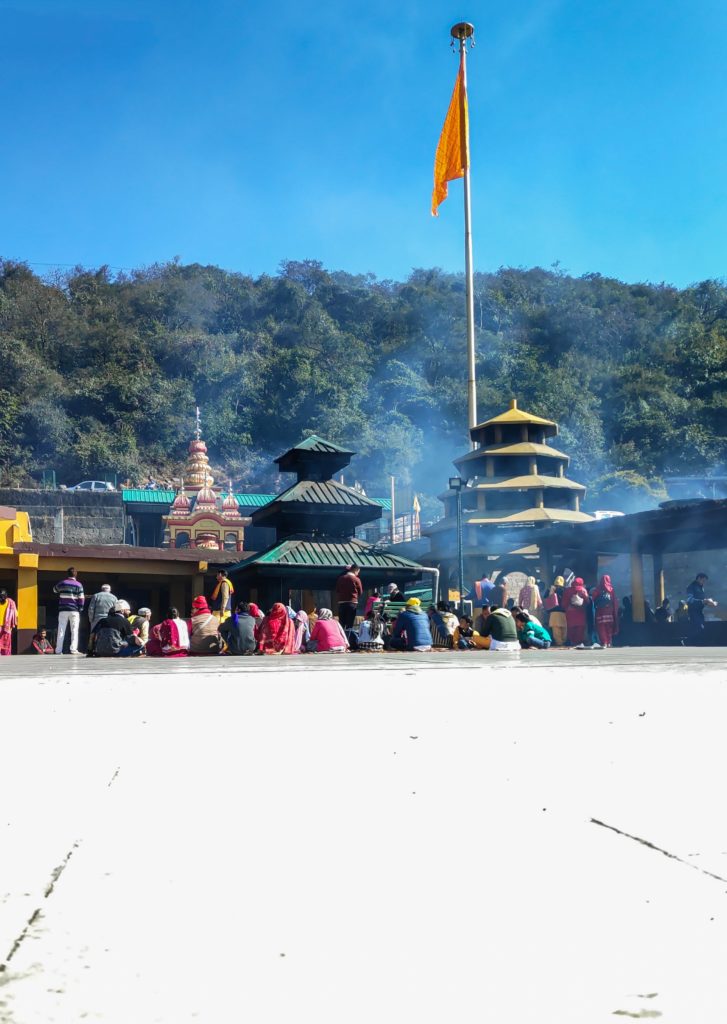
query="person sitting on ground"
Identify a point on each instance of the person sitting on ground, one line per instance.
(238, 631)
(411, 630)
(302, 631)
(531, 632)
(327, 635)
(501, 629)
(41, 643)
(169, 639)
(393, 593)
(663, 611)
(114, 636)
(142, 622)
(257, 614)
(482, 619)
(370, 634)
(204, 638)
(529, 598)
(442, 623)
(468, 639)
(276, 634)
(440, 635)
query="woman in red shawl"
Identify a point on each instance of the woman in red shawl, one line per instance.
(277, 632)
(170, 639)
(575, 605)
(606, 606)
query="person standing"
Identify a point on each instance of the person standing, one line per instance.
(499, 595)
(221, 599)
(348, 591)
(100, 605)
(553, 605)
(483, 589)
(8, 622)
(697, 601)
(529, 598)
(71, 600)
(575, 601)
(605, 604)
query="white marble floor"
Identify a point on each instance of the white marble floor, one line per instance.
(344, 841)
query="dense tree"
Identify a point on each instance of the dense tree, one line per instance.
(101, 373)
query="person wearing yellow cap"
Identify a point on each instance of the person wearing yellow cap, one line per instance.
(411, 630)
(553, 606)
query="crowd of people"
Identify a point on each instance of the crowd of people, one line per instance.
(564, 614)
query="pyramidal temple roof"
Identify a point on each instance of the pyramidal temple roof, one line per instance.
(315, 457)
(516, 416)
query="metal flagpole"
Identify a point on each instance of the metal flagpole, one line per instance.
(464, 31)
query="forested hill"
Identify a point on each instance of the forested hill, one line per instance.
(101, 374)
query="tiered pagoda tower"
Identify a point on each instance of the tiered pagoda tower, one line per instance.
(200, 517)
(514, 479)
(314, 521)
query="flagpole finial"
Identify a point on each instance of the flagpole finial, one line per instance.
(463, 30)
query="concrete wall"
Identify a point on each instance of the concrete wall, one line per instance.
(87, 517)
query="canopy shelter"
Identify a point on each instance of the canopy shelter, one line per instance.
(675, 527)
(308, 566)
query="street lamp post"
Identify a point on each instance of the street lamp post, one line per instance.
(456, 484)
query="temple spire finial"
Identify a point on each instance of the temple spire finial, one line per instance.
(198, 424)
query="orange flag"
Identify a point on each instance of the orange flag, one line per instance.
(452, 158)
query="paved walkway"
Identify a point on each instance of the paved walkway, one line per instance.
(356, 839)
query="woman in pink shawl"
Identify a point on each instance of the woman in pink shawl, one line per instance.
(277, 632)
(302, 632)
(8, 622)
(606, 606)
(575, 605)
(327, 634)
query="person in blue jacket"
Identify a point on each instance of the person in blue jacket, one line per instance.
(411, 630)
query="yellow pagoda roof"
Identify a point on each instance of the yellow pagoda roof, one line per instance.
(530, 481)
(480, 517)
(518, 416)
(521, 448)
(531, 515)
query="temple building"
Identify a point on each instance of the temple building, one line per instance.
(510, 480)
(200, 517)
(315, 520)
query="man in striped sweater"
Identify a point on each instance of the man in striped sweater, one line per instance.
(70, 605)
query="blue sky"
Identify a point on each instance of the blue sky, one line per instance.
(245, 133)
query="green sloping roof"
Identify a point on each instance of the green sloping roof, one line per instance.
(166, 497)
(319, 444)
(255, 500)
(148, 496)
(324, 492)
(319, 554)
